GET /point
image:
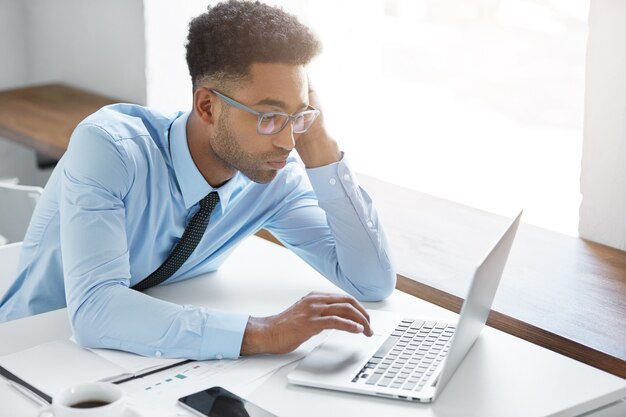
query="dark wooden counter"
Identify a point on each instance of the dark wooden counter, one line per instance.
(43, 117)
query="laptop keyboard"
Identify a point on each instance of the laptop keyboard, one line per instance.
(409, 357)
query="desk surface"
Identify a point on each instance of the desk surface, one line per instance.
(501, 376)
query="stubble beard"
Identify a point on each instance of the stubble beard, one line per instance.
(228, 150)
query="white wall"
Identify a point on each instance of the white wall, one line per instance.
(93, 44)
(12, 43)
(603, 177)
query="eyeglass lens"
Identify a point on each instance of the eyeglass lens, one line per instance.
(272, 123)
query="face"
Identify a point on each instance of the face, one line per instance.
(236, 142)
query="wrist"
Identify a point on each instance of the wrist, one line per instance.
(254, 336)
(319, 152)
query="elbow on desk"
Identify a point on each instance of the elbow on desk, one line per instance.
(84, 339)
(86, 326)
(96, 311)
(80, 322)
(372, 281)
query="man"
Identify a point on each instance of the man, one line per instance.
(140, 198)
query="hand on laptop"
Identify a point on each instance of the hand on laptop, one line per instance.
(313, 313)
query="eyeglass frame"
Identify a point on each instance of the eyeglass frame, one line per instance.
(290, 118)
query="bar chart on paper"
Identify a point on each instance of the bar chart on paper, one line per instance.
(177, 378)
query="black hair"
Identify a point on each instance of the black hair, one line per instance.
(228, 38)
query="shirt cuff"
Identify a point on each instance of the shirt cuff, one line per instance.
(223, 334)
(334, 180)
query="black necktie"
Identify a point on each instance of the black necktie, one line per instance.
(185, 246)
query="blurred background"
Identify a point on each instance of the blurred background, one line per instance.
(481, 102)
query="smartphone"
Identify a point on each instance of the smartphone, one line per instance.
(219, 402)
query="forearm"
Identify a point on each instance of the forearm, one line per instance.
(117, 317)
(357, 256)
(331, 223)
(361, 252)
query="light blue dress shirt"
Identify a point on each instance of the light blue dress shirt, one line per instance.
(118, 202)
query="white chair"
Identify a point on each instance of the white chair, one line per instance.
(10, 180)
(9, 257)
(17, 203)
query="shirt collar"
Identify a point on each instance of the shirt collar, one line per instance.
(192, 184)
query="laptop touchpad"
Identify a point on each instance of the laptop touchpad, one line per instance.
(340, 353)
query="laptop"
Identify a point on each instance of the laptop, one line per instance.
(408, 358)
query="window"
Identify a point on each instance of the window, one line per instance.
(476, 101)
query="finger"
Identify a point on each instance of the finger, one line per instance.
(338, 323)
(308, 76)
(350, 312)
(313, 96)
(329, 298)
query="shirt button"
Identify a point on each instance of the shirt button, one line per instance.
(219, 356)
(332, 181)
(346, 177)
(370, 223)
(158, 354)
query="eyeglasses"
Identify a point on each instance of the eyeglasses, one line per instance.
(270, 123)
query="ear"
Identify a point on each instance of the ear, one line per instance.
(204, 105)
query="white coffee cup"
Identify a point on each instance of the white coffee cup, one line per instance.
(93, 399)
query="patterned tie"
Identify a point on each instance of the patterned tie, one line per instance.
(186, 245)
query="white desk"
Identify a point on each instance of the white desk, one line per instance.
(501, 376)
